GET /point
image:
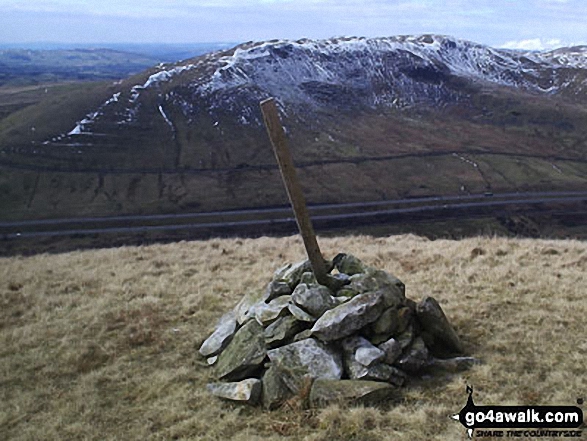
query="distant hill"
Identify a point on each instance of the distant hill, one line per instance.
(367, 119)
(45, 63)
(23, 67)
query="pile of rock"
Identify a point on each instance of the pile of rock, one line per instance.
(356, 340)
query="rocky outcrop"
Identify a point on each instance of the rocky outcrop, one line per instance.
(357, 340)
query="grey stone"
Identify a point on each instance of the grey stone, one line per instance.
(334, 283)
(367, 368)
(376, 280)
(361, 283)
(349, 317)
(244, 354)
(433, 320)
(225, 329)
(277, 288)
(348, 264)
(266, 313)
(308, 278)
(212, 360)
(350, 344)
(325, 392)
(292, 273)
(244, 310)
(300, 314)
(275, 391)
(347, 291)
(282, 330)
(391, 287)
(405, 338)
(314, 299)
(342, 278)
(306, 359)
(455, 364)
(386, 324)
(383, 279)
(246, 391)
(392, 349)
(378, 372)
(369, 355)
(303, 335)
(377, 339)
(341, 299)
(415, 359)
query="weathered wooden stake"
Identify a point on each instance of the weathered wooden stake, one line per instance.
(294, 191)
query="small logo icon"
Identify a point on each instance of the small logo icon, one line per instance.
(469, 407)
(544, 418)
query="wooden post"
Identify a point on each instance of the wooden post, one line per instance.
(294, 191)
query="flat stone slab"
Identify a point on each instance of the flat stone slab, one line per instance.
(267, 313)
(225, 329)
(277, 288)
(282, 330)
(325, 392)
(244, 310)
(300, 314)
(246, 391)
(346, 319)
(455, 364)
(244, 354)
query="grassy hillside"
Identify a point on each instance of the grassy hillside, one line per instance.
(389, 155)
(101, 345)
(170, 148)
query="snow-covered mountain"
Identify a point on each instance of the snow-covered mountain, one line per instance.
(342, 74)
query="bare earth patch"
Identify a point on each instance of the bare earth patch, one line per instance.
(102, 344)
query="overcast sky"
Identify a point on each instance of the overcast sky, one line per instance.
(530, 24)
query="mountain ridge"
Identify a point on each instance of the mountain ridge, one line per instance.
(385, 72)
(351, 106)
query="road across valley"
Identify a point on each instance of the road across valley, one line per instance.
(266, 220)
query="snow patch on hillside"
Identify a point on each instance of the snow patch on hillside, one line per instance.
(164, 115)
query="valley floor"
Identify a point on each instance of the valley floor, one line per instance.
(102, 344)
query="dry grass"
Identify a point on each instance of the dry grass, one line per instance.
(102, 344)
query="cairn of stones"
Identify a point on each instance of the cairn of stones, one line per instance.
(358, 340)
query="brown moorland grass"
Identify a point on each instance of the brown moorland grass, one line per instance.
(101, 344)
